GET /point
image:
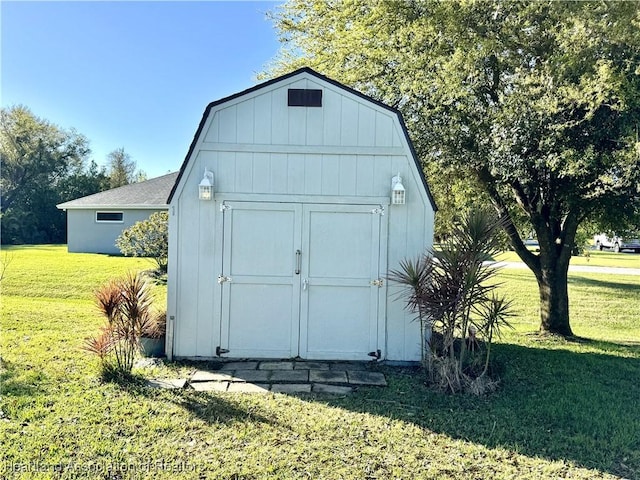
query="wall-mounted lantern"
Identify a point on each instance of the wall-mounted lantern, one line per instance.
(397, 191)
(205, 188)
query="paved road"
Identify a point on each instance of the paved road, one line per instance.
(580, 268)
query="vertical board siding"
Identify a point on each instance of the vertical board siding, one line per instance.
(263, 118)
(243, 172)
(348, 122)
(245, 113)
(330, 174)
(384, 130)
(261, 173)
(347, 175)
(366, 126)
(295, 174)
(364, 175)
(227, 126)
(313, 174)
(206, 245)
(332, 127)
(279, 120)
(279, 176)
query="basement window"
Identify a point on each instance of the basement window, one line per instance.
(304, 97)
(109, 217)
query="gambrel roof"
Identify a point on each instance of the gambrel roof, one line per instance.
(283, 78)
(151, 193)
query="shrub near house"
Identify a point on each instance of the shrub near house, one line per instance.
(148, 238)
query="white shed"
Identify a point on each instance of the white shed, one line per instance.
(288, 257)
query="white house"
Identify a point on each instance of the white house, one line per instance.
(286, 254)
(95, 221)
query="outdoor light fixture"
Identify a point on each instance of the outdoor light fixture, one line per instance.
(205, 189)
(397, 191)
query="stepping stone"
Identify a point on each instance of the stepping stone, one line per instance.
(248, 388)
(239, 366)
(205, 376)
(252, 375)
(210, 386)
(171, 384)
(290, 376)
(327, 376)
(311, 366)
(357, 377)
(350, 366)
(276, 366)
(335, 389)
(291, 387)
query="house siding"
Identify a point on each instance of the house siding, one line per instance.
(85, 235)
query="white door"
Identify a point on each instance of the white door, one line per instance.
(299, 280)
(339, 303)
(260, 289)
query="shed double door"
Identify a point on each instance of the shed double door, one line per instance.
(300, 280)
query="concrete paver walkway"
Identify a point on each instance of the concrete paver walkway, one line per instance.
(279, 376)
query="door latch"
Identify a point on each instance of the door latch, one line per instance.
(222, 279)
(221, 351)
(305, 284)
(379, 282)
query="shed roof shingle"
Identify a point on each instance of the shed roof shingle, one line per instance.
(146, 194)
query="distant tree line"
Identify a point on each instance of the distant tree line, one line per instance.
(44, 165)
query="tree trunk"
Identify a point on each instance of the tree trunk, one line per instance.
(554, 299)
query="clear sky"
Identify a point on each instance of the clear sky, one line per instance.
(136, 75)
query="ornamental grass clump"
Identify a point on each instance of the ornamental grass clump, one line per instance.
(451, 292)
(126, 305)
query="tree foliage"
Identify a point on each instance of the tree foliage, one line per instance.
(538, 102)
(42, 165)
(148, 238)
(122, 169)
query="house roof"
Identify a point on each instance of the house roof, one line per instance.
(151, 193)
(284, 77)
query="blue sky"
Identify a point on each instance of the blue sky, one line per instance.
(136, 75)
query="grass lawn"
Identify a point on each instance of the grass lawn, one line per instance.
(564, 409)
(595, 258)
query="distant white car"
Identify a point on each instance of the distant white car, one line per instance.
(616, 243)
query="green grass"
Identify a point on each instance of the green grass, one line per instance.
(565, 409)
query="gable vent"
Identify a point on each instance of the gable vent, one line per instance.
(304, 97)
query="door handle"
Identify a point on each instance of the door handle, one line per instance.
(298, 261)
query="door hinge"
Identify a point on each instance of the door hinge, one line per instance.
(221, 351)
(379, 282)
(377, 354)
(224, 206)
(222, 279)
(379, 211)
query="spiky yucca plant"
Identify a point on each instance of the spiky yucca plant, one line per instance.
(451, 292)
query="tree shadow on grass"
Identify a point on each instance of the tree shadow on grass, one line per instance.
(582, 281)
(17, 382)
(554, 404)
(210, 407)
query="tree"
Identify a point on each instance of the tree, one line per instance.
(122, 169)
(37, 156)
(148, 238)
(539, 102)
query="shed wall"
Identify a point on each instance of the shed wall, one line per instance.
(259, 149)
